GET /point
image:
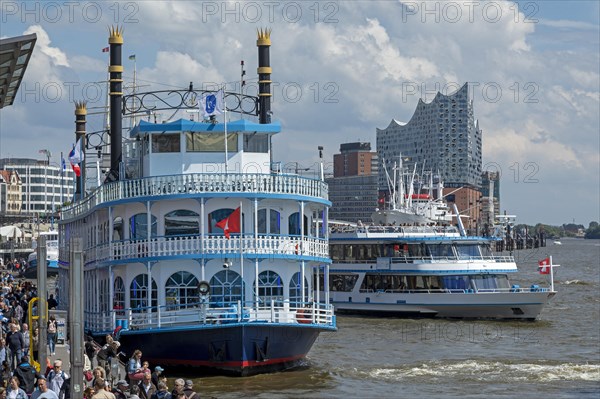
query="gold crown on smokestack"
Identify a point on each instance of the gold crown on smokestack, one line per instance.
(80, 108)
(264, 37)
(115, 35)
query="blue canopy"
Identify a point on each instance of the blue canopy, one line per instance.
(186, 125)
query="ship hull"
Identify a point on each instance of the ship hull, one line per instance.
(239, 349)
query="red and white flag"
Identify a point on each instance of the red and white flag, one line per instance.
(544, 266)
(231, 224)
(105, 50)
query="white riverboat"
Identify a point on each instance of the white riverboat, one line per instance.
(197, 251)
(51, 255)
(426, 271)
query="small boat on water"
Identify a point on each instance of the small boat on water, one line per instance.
(197, 251)
(557, 242)
(51, 256)
(426, 271)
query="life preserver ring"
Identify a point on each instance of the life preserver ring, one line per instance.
(303, 317)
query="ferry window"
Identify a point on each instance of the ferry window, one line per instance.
(486, 251)
(256, 143)
(348, 252)
(182, 222)
(274, 222)
(225, 288)
(484, 282)
(138, 294)
(294, 224)
(216, 216)
(138, 226)
(166, 142)
(336, 252)
(468, 251)
(372, 283)
(270, 287)
(119, 293)
(296, 289)
(441, 250)
(502, 281)
(456, 282)
(416, 250)
(181, 290)
(342, 282)
(210, 142)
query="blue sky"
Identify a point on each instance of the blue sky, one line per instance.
(343, 69)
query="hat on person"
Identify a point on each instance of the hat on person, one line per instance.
(189, 383)
(122, 382)
(159, 369)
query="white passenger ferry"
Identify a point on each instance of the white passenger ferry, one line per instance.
(51, 255)
(197, 252)
(426, 271)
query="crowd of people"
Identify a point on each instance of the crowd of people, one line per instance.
(19, 378)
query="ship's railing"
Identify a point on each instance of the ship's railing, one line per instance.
(433, 259)
(211, 314)
(198, 183)
(513, 289)
(429, 230)
(281, 245)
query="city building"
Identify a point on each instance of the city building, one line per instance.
(490, 197)
(10, 192)
(353, 188)
(442, 136)
(44, 187)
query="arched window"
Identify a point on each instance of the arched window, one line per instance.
(138, 293)
(270, 225)
(182, 222)
(225, 288)
(138, 229)
(118, 229)
(296, 289)
(294, 224)
(119, 295)
(181, 290)
(270, 287)
(216, 216)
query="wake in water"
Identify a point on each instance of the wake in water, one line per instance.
(575, 282)
(491, 372)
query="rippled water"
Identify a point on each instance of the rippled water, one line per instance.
(557, 356)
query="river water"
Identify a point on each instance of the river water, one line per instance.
(557, 356)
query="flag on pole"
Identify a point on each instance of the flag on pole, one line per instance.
(212, 104)
(63, 164)
(132, 57)
(76, 157)
(545, 266)
(105, 49)
(231, 224)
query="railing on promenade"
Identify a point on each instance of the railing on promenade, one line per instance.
(210, 314)
(198, 183)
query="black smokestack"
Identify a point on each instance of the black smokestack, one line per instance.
(264, 75)
(80, 121)
(115, 69)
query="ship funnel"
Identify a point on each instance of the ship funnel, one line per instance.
(80, 121)
(264, 75)
(115, 69)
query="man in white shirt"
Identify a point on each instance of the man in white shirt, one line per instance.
(43, 392)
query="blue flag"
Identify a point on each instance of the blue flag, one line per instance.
(212, 104)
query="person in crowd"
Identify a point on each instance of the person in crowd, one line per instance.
(51, 334)
(14, 391)
(90, 348)
(179, 385)
(88, 393)
(122, 389)
(3, 354)
(162, 392)
(65, 390)
(188, 390)
(26, 338)
(107, 353)
(43, 392)
(52, 303)
(14, 339)
(5, 373)
(98, 373)
(147, 388)
(134, 392)
(2, 393)
(101, 392)
(57, 377)
(134, 367)
(156, 375)
(27, 375)
(87, 369)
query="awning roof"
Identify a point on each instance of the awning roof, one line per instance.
(185, 125)
(15, 53)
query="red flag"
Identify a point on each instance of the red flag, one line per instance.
(76, 169)
(105, 50)
(231, 224)
(544, 266)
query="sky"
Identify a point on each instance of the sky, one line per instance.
(341, 69)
